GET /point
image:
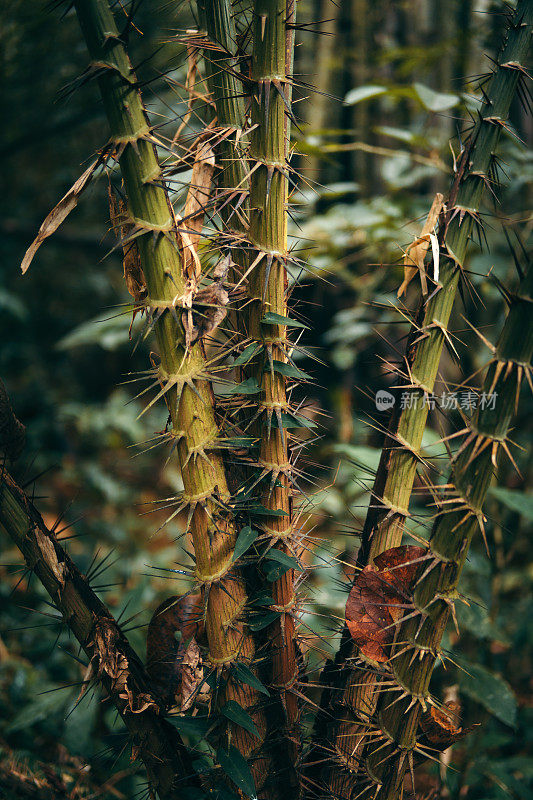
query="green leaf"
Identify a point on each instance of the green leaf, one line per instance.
(284, 558)
(245, 675)
(490, 690)
(263, 621)
(235, 713)
(245, 540)
(277, 563)
(247, 354)
(435, 101)
(293, 421)
(363, 93)
(288, 370)
(44, 707)
(517, 501)
(276, 319)
(191, 726)
(266, 512)
(236, 768)
(236, 442)
(249, 386)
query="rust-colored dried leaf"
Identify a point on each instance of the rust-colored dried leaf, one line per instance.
(192, 675)
(68, 202)
(441, 726)
(190, 226)
(378, 597)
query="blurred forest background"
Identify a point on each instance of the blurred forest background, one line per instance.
(395, 82)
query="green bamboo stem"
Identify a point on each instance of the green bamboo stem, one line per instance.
(226, 89)
(401, 452)
(394, 482)
(116, 665)
(183, 375)
(267, 290)
(460, 517)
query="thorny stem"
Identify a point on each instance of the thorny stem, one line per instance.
(268, 291)
(183, 374)
(115, 663)
(459, 518)
(383, 529)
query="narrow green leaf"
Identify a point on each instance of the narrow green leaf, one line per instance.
(245, 675)
(247, 354)
(190, 726)
(263, 621)
(293, 421)
(235, 713)
(284, 558)
(288, 370)
(276, 319)
(249, 386)
(236, 768)
(266, 512)
(245, 540)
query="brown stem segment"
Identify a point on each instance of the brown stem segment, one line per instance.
(115, 663)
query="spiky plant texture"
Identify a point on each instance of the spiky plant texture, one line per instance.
(270, 365)
(459, 518)
(114, 662)
(383, 529)
(183, 374)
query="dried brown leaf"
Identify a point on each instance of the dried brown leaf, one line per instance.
(58, 214)
(378, 597)
(415, 254)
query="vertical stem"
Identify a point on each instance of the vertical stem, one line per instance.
(400, 455)
(459, 518)
(268, 290)
(183, 374)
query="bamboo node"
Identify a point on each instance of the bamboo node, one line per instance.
(215, 576)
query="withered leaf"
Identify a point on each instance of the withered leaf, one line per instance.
(131, 260)
(190, 226)
(415, 254)
(164, 654)
(378, 597)
(441, 726)
(68, 202)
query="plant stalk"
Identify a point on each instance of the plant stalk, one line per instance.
(183, 374)
(459, 518)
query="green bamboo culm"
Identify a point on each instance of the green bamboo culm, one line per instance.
(268, 294)
(394, 483)
(354, 694)
(459, 518)
(183, 375)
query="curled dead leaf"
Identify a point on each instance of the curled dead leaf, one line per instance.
(57, 215)
(415, 254)
(441, 727)
(131, 258)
